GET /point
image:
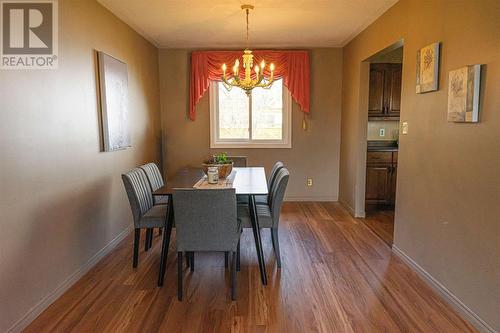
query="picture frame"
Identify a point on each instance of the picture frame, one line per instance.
(428, 68)
(464, 88)
(113, 86)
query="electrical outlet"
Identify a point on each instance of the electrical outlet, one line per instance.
(404, 128)
(309, 182)
(381, 132)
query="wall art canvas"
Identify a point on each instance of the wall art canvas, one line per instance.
(463, 94)
(113, 84)
(428, 68)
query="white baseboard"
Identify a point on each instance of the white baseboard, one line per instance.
(311, 198)
(77, 275)
(447, 295)
(347, 207)
(352, 210)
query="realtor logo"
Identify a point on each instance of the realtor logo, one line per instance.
(28, 34)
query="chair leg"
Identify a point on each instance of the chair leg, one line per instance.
(148, 239)
(137, 239)
(151, 238)
(179, 276)
(191, 257)
(188, 260)
(238, 264)
(233, 276)
(271, 231)
(165, 245)
(160, 231)
(226, 259)
(276, 245)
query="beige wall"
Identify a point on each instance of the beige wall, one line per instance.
(315, 152)
(448, 190)
(62, 200)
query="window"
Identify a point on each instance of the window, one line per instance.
(261, 121)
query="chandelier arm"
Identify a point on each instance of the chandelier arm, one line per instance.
(266, 84)
(228, 87)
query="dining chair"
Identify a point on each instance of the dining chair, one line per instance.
(238, 161)
(146, 215)
(206, 220)
(269, 215)
(264, 199)
(155, 180)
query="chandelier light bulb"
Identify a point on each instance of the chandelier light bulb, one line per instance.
(257, 69)
(262, 64)
(224, 68)
(272, 67)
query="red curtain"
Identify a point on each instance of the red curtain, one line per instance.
(292, 66)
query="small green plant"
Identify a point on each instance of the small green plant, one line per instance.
(221, 158)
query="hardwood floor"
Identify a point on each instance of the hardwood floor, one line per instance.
(381, 222)
(337, 276)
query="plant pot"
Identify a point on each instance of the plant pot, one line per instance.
(224, 169)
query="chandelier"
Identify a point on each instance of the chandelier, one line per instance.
(248, 83)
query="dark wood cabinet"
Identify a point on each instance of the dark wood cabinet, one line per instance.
(385, 91)
(381, 173)
(376, 102)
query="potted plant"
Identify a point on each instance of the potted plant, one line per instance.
(222, 162)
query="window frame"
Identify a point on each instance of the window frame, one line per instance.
(217, 142)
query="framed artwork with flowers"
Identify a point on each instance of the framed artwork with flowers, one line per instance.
(428, 68)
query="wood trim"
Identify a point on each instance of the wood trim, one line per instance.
(46, 301)
(351, 210)
(319, 198)
(217, 143)
(447, 295)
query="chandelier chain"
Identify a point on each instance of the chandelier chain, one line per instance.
(248, 34)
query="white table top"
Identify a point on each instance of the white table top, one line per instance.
(250, 180)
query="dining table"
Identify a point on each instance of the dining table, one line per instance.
(247, 181)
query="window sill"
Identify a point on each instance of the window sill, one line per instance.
(236, 145)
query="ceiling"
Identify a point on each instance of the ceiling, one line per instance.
(273, 23)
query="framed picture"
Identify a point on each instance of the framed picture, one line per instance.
(464, 86)
(113, 85)
(428, 68)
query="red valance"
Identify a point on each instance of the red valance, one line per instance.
(292, 66)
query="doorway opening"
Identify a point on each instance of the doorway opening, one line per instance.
(382, 139)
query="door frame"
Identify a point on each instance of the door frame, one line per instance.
(362, 130)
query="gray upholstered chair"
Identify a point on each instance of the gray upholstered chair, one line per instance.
(238, 161)
(206, 220)
(269, 215)
(155, 180)
(146, 214)
(264, 199)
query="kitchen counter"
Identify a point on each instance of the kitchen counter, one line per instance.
(382, 146)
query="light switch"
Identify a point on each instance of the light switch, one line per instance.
(381, 132)
(404, 128)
